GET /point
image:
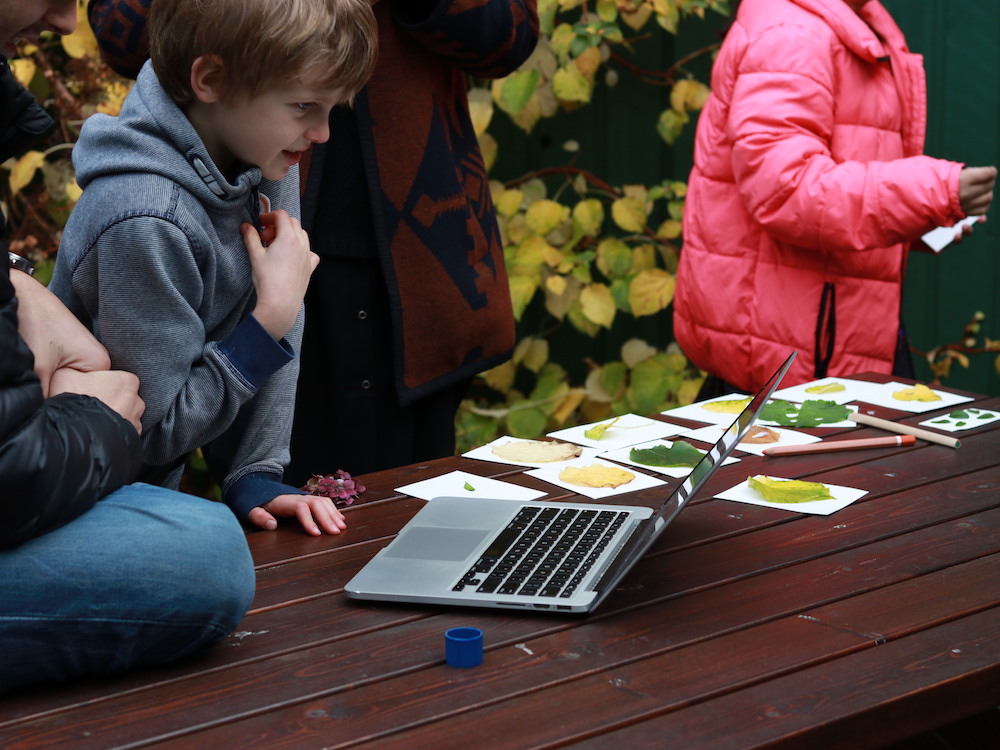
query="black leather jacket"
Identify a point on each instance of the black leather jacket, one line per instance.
(58, 456)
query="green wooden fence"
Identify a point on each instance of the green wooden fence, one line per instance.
(961, 46)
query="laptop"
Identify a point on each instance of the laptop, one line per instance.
(538, 555)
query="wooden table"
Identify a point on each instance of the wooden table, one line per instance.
(744, 627)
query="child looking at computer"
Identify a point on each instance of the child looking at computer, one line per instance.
(185, 255)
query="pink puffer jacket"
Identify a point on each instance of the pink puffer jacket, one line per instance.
(807, 187)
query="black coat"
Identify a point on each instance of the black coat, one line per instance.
(58, 456)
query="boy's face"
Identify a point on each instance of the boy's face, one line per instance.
(271, 130)
(26, 19)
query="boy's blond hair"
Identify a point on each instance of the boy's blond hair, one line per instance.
(264, 44)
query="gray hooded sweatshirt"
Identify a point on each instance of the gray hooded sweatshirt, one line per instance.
(153, 262)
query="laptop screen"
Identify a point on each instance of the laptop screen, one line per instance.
(705, 468)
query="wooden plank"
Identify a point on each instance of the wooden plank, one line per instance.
(434, 710)
(863, 700)
(332, 673)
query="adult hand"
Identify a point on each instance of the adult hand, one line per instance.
(281, 270)
(54, 335)
(117, 389)
(975, 189)
(316, 514)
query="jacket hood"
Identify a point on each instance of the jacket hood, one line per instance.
(152, 135)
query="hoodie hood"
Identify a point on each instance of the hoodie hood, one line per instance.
(152, 125)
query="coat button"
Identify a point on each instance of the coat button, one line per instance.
(362, 314)
(366, 384)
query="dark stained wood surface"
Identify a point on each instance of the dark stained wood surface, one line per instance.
(743, 627)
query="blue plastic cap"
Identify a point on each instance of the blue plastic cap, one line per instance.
(463, 647)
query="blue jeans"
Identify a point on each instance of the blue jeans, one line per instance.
(146, 576)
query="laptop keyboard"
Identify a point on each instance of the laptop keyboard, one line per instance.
(544, 551)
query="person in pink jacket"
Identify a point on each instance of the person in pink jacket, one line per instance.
(808, 188)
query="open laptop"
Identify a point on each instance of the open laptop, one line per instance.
(538, 555)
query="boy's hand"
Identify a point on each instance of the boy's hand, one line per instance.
(281, 270)
(317, 514)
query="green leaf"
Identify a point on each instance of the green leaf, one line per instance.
(679, 454)
(526, 423)
(598, 430)
(788, 490)
(517, 90)
(809, 413)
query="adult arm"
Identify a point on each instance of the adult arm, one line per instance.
(58, 456)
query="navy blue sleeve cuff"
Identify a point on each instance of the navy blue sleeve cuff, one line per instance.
(252, 351)
(255, 489)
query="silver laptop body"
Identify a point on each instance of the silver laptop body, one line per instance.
(449, 551)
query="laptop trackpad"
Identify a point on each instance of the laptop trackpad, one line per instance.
(432, 543)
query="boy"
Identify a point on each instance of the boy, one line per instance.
(96, 575)
(181, 255)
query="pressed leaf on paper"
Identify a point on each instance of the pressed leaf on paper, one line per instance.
(597, 431)
(678, 454)
(788, 490)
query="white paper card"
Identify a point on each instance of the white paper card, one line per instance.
(938, 239)
(967, 418)
(457, 484)
(485, 453)
(551, 475)
(629, 429)
(699, 413)
(854, 390)
(712, 433)
(842, 497)
(883, 397)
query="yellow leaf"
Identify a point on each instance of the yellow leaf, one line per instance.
(588, 62)
(598, 430)
(81, 43)
(73, 191)
(556, 284)
(679, 94)
(534, 353)
(23, 171)
(629, 214)
(509, 202)
(589, 214)
(669, 230)
(559, 303)
(614, 258)
(598, 305)
(651, 290)
(545, 215)
(522, 289)
(554, 258)
(571, 86)
(488, 147)
(568, 405)
(480, 109)
(530, 256)
(23, 69)
(501, 377)
(697, 95)
(637, 19)
(635, 351)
